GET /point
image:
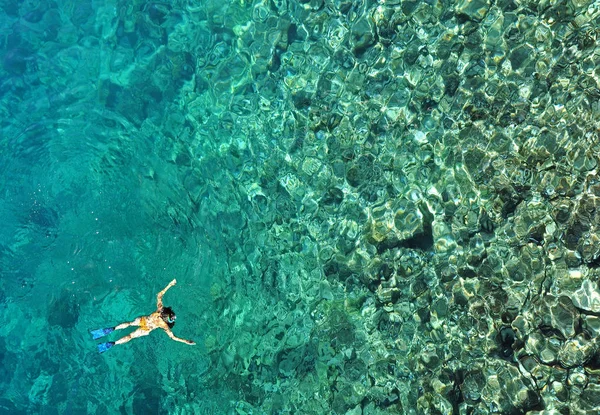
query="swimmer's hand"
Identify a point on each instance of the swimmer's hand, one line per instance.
(159, 296)
(190, 342)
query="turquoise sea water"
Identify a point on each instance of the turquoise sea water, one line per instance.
(369, 207)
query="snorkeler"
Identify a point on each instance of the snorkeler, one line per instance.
(163, 318)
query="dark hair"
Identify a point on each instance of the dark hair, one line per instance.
(167, 314)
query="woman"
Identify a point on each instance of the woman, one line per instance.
(163, 318)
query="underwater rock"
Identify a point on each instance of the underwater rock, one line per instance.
(549, 354)
(43, 217)
(587, 296)
(472, 386)
(520, 56)
(402, 223)
(577, 377)
(576, 351)
(589, 399)
(146, 401)
(347, 395)
(558, 314)
(531, 222)
(591, 325)
(39, 394)
(64, 310)
(535, 343)
(507, 389)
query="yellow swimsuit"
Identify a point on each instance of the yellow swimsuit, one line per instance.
(143, 324)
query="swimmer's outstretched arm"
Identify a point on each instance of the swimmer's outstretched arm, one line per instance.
(159, 296)
(177, 339)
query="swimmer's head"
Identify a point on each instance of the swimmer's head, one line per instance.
(168, 315)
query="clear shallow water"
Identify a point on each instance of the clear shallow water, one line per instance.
(369, 208)
(91, 232)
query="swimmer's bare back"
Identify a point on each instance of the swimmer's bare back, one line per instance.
(163, 318)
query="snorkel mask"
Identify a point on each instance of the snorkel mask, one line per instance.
(168, 315)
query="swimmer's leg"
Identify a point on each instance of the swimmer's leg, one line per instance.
(133, 335)
(138, 333)
(96, 334)
(124, 339)
(135, 322)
